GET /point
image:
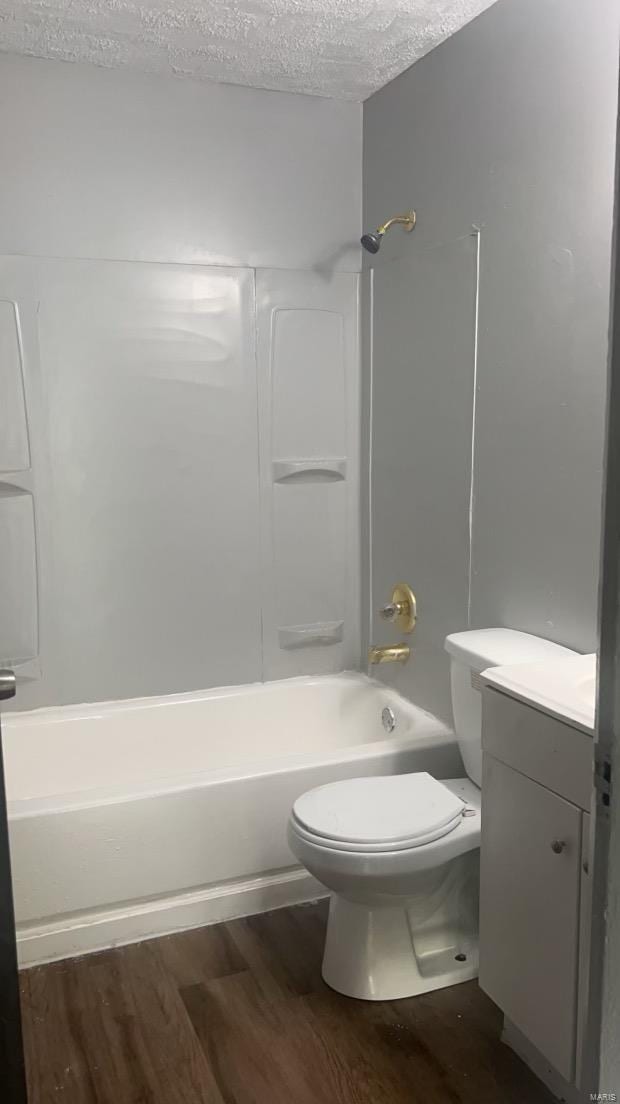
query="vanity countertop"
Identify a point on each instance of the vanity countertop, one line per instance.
(564, 688)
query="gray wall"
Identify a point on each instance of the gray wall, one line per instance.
(106, 163)
(177, 260)
(510, 126)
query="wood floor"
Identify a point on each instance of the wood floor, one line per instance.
(238, 1014)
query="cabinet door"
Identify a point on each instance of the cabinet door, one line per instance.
(529, 909)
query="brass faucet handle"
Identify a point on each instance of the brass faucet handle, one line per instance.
(402, 610)
(394, 610)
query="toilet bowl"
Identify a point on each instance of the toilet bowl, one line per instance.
(401, 854)
(403, 915)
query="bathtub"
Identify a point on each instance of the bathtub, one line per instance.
(131, 819)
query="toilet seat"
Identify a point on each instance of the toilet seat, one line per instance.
(377, 814)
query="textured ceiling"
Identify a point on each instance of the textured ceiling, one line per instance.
(341, 48)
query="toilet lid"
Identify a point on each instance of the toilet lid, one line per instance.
(393, 812)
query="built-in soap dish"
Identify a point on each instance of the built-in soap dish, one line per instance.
(320, 633)
(316, 470)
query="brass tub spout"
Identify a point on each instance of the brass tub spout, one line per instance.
(389, 653)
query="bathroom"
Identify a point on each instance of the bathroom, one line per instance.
(279, 483)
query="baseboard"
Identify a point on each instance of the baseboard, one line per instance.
(549, 1076)
(85, 932)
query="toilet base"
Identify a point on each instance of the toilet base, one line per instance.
(379, 954)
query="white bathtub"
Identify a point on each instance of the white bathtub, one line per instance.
(130, 819)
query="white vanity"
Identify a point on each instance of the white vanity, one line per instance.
(537, 726)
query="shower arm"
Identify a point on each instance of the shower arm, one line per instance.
(407, 221)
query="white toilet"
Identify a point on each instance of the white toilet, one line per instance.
(400, 853)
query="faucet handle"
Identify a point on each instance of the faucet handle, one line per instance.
(391, 611)
(402, 610)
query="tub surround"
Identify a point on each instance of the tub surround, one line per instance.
(231, 398)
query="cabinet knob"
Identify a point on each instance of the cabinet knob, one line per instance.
(557, 846)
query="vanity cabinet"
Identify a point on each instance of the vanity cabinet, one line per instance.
(535, 791)
(530, 909)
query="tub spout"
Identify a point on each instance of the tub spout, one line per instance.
(389, 653)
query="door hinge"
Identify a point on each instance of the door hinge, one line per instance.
(603, 782)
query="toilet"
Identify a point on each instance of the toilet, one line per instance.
(400, 853)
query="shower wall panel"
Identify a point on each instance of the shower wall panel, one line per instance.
(143, 495)
(19, 630)
(14, 447)
(18, 594)
(308, 381)
(148, 493)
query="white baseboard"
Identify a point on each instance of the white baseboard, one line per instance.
(83, 933)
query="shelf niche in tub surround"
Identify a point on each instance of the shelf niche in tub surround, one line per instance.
(308, 383)
(304, 636)
(309, 471)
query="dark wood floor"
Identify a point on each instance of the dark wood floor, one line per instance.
(238, 1014)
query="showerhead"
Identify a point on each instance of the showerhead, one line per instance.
(372, 242)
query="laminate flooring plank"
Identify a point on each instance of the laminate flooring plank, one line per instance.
(437, 1047)
(254, 1046)
(284, 948)
(112, 1029)
(59, 1062)
(199, 955)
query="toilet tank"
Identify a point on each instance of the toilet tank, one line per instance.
(472, 652)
